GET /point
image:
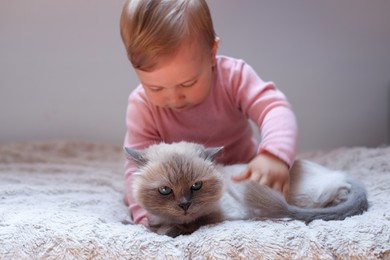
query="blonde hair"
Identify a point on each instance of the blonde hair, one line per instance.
(151, 29)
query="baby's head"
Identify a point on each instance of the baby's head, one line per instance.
(172, 47)
(152, 29)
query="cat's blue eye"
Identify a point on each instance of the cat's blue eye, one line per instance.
(164, 190)
(197, 185)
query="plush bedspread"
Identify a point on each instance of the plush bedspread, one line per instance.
(64, 200)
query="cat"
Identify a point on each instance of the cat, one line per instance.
(182, 188)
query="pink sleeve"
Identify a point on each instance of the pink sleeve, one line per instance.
(269, 109)
(140, 134)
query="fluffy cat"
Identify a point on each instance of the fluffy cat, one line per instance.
(182, 189)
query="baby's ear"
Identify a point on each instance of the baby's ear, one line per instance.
(212, 153)
(138, 156)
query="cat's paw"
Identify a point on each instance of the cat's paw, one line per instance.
(184, 229)
(174, 230)
(167, 230)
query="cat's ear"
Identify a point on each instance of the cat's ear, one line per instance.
(138, 156)
(212, 153)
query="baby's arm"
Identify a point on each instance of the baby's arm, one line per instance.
(140, 134)
(270, 110)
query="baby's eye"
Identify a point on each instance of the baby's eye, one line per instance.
(155, 89)
(164, 190)
(189, 84)
(197, 185)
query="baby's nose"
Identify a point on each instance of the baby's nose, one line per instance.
(175, 96)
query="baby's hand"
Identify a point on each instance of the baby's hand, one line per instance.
(144, 221)
(269, 170)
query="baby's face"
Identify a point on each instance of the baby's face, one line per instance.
(180, 81)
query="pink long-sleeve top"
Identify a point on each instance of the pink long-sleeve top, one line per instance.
(238, 94)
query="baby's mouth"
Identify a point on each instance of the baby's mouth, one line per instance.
(180, 108)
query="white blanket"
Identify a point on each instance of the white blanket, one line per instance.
(64, 200)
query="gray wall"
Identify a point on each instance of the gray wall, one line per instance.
(64, 73)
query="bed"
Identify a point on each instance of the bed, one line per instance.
(64, 200)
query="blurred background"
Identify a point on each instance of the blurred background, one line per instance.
(64, 72)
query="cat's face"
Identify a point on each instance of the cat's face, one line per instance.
(178, 187)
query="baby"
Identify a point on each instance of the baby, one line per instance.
(189, 93)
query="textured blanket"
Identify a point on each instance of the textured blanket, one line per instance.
(64, 200)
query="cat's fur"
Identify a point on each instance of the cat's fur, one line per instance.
(199, 192)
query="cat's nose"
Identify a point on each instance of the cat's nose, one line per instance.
(184, 205)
